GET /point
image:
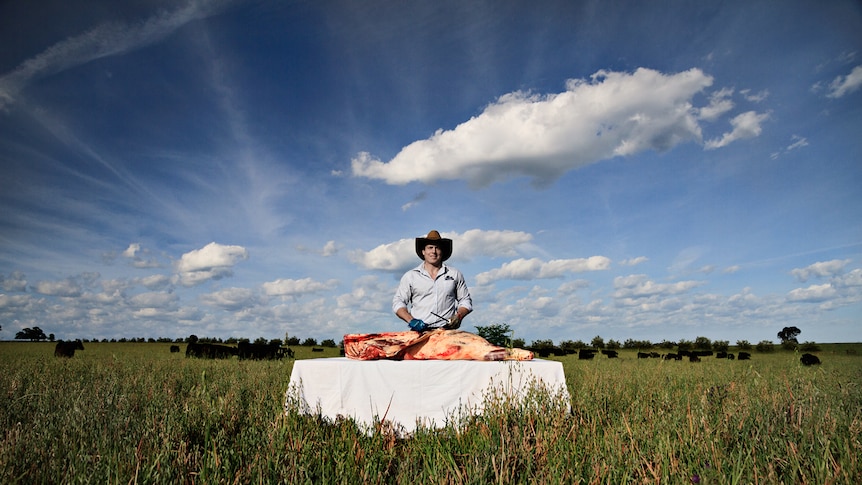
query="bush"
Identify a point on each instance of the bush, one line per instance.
(809, 347)
(765, 346)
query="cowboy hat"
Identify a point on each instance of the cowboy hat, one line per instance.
(434, 238)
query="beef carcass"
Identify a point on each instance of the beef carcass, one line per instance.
(433, 345)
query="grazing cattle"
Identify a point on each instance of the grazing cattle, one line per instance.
(643, 355)
(246, 350)
(685, 353)
(672, 357)
(655, 355)
(693, 358)
(612, 354)
(317, 349)
(586, 354)
(702, 353)
(721, 355)
(175, 348)
(730, 356)
(809, 359)
(67, 349)
(744, 356)
(209, 351)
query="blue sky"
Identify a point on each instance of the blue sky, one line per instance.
(251, 169)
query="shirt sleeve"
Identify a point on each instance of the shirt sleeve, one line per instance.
(402, 296)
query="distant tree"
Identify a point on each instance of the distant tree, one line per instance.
(275, 341)
(497, 334)
(51, 337)
(765, 346)
(34, 334)
(789, 334)
(572, 346)
(684, 344)
(720, 345)
(293, 341)
(702, 343)
(328, 343)
(260, 340)
(667, 344)
(612, 344)
(598, 342)
(309, 342)
(542, 345)
(519, 343)
(743, 344)
(192, 339)
(809, 347)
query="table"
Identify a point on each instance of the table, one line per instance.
(412, 392)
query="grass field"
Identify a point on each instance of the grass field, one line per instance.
(135, 413)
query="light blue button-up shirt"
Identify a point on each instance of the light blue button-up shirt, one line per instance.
(422, 295)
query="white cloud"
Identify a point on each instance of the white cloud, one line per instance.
(821, 269)
(745, 125)
(66, 288)
(640, 286)
(232, 299)
(15, 282)
(288, 287)
(213, 261)
(529, 269)
(634, 261)
(814, 293)
(731, 269)
(155, 300)
(543, 137)
(843, 85)
(719, 104)
(401, 255)
(330, 249)
(132, 250)
(757, 97)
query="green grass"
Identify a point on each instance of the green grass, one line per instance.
(133, 412)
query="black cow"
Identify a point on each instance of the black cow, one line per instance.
(175, 348)
(809, 359)
(643, 355)
(693, 358)
(209, 351)
(612, 354)
(721, 355)
(743, 356)
(67, 349)
(586, 354)
(672, 356)
(317, 349)
(246, 350)
(730, 356)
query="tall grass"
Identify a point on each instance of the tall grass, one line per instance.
(134, 413)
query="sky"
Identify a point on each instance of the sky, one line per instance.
(623, 169)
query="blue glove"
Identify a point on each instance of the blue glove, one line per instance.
(417, 325)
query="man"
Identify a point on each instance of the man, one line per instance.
(432, 295)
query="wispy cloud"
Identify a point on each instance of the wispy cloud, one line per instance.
(102, 41)
(843, 85)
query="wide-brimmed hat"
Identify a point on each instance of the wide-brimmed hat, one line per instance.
(434, 238)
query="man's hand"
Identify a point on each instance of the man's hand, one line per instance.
(454, 322)
(417, 325)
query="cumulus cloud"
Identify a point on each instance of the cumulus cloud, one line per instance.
(213, 261)
(814, 293)
(102, 41)
(15, 282)
(542, 137)
(843, 85)
(719, 104)
(821, 269)
(154, 300)
(139, 256)
(401, 255)
(745, 125)
(634, 261)
(67, 288)
(529, 269)
(232, 299)
(640, 286)
(289, 287)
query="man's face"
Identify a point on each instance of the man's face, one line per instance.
(432, 253)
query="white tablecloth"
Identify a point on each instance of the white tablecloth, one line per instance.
(411, 391)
